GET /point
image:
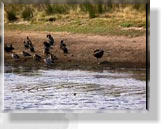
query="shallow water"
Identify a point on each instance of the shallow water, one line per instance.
(27, 89)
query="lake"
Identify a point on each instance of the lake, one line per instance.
(38, 89)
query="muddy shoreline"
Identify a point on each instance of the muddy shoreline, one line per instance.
(120, 51)
(74, 65)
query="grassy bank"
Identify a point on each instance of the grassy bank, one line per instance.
(121, 20)
(98, 26)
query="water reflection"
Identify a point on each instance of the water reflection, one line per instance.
(30, 88)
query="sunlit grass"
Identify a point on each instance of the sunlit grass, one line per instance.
(122, 21)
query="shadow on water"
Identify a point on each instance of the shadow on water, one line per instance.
(138, 74)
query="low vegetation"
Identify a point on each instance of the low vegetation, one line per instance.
(109, 19)
(27, 13)
(11, 15)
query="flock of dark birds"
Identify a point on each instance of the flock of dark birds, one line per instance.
(47, 45)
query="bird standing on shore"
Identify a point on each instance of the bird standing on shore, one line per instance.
(62, 44)
(29, 45)
(15, 56)
(32, 49)
(51, 39)
(37, 57)
(98, 53)
(26, 45)
(28, 40)
(63, 47)
(46, 44)
(48, 60)
(9, 48)
(46, 51)
(53, 58)
(65, 50)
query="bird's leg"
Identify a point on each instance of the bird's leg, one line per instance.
(97, 61)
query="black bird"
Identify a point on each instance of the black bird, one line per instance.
(48, 60)
(32, 49)
(15, 56)
(62, 44)
(98, 53)
(26, 45)
(75, 94)
(37, 57)
(65, 50)
(53, 57)
(26, 54)
(28, 38)
(9, 48)
(63, 47)
(46, 44)
(31, 45)
(46, 51)
(29, 42)
(51, 40)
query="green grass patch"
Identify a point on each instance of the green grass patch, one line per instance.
(126, 24)
(83, 19)
(96, 26)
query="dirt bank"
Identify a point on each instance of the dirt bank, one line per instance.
(120, 51)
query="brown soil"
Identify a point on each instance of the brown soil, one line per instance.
(120, 51)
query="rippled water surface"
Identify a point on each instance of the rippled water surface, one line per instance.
(74, 89)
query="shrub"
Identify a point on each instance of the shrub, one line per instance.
(27, 13)
(60, 9)
(11, 15)
(100, 8)
(88, 7)
(91, 12)
(139, 7)
(49, 9)
(83, 7)
(56, 9)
